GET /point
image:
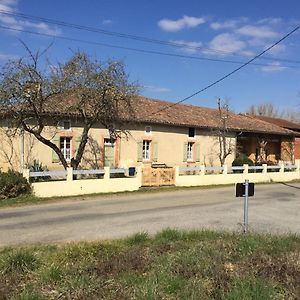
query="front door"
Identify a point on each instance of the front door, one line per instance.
(109, 153)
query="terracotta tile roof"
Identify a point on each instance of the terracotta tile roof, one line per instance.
(280, 122)
(148, 110)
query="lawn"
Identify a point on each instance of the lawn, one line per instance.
(170, 265)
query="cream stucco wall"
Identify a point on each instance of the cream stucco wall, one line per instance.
(170, 142)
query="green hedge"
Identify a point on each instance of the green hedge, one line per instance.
(242, 160)
(13, 184)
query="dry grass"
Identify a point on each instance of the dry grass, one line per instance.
(172, 265)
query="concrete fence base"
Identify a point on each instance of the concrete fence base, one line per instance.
(224, 178)
(72, 187)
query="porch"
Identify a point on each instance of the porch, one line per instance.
(265, 148)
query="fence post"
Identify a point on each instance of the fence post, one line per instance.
(297, 163)
(69, 174)
(106, 173)
(202, 170)
(176, 174)
(281, 167)
(139, 175)
(26, 174)
(225, 169)
(265, 169)
(246, 168)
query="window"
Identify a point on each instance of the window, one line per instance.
(109, 142)
(192, 132)
(190, 151)
(148, 130)
(146, 150)
(66, 125)
(65, 147)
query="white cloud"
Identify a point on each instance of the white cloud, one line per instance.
(273, 67)
(270, 21)
(188, 47)
(229, 24)
(157, 89)
(8, 5)
(184, 22)
(227, 42)
(278, 49)
(11, 21)
(261, 32)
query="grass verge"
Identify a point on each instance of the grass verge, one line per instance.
(171, 265)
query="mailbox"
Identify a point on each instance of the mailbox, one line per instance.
(240, 189)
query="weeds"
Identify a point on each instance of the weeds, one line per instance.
(138, 238)
(18, 261)
(171, 265)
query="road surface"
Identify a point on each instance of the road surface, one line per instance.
(275, 208)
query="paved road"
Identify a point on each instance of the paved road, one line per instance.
(275, 208)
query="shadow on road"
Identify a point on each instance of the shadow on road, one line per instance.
(290, 185)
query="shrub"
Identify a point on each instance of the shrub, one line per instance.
(242, 160)
(36, 166)
(13, 184)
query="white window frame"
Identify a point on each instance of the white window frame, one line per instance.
(67, 154)
(148, 132)
(146, 150)
(190, 151)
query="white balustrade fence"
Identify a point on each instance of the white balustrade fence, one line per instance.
(76, 182)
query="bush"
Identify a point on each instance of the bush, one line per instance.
(36, 166)
(242, 160)
(13, 184)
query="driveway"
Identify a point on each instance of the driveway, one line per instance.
(275, 208)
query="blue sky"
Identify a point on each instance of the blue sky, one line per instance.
(224, 30)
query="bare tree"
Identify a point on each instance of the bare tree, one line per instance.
(7, 149)
(288, 151)
(264, 109)
(269, 110)
(93, 154)
(95, 92)
(262, 144)
(226, 147)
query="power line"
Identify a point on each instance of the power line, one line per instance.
(229, 74)
(131, 36)
(139, 50)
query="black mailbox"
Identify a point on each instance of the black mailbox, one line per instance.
(240, 189)
(131, 171)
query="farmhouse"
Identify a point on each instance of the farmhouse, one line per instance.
(157, 133)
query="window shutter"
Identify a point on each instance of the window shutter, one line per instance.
(140, 151)
(55, 158)
(185, 151)
(76, 145)
(197, 152)
(155, 152)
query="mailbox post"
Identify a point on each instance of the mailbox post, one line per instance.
(245, 190)
(246, 206)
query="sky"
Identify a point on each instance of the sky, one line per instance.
(208, 40)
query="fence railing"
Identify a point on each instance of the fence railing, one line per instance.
(71, 174)
(204, 170)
